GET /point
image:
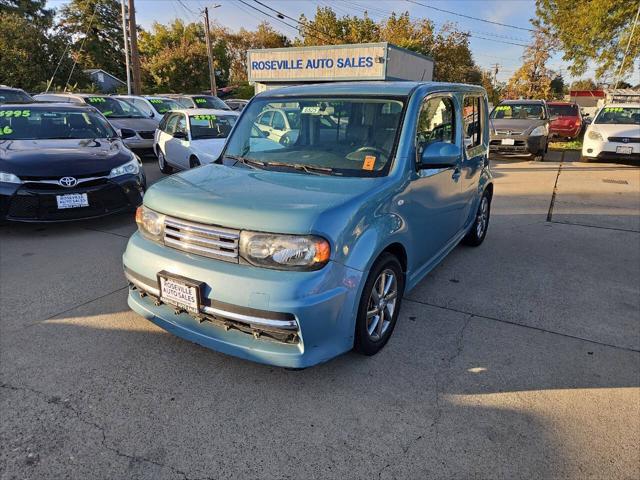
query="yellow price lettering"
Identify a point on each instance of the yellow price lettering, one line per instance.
(6, 130)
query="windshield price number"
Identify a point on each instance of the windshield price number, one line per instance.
(15, 113)
(204, 117)
(200, 100)
(97, 100)
(614, 109)
(6, 130)
(155, 100)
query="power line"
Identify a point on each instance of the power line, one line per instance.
(470, 17)
(624, 58)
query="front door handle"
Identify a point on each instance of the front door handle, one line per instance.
(456, 174)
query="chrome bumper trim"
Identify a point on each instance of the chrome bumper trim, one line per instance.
(217, 312)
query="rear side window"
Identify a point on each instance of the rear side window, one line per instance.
(472, 119)
(436, 122)
(278, 121)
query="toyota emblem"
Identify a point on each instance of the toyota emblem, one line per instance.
(625, 140)
(68, 182)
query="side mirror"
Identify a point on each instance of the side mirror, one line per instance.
(127, 133)
(179, 135)
(440, 155)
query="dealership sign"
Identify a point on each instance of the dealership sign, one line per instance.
(335, 62)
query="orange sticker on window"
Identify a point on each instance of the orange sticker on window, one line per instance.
(369, 162)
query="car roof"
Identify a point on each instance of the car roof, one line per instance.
(205, 111)
(526, 102)
(623, 105)
(7, 87)
(562, 103)
(389, 89)
(50, 105)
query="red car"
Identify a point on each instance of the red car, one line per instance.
(566, 121)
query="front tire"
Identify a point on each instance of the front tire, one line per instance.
(162, 163)
(478, 230)
(379, 305)
(194, 162)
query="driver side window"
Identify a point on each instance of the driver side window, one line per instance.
(171, 124)
(181, 126)
(436, 122)
(278, 121)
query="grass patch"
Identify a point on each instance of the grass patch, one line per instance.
(572, 145)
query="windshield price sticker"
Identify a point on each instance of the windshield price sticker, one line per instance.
(613, 109)
(97, 100)
(204, 117)
(15, 113)
(201, 100)
(155, 100)
(369, 162)
(6, 130)
(502, 107)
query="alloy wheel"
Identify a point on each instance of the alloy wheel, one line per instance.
(382, 304)
(483, 215)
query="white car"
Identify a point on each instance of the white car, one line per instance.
(280, 124)
(192, 137)
(152, 106)
(614, 134)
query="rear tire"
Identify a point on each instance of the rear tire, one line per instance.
(162, 163)
(478, 231)
(379, 305)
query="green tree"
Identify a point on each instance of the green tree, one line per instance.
(584, 84)
(27, 67)
(592, 31)
(453, 58)
(95, 27)
(533, 78)
(33, 11)
(174, 58)
(558, 87)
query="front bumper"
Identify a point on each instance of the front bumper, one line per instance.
(523, 145)
(139, 143)
(606, 151)
(282, 318)
(36, 202)
(572, 132)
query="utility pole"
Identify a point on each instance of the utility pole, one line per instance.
(212, 73)
(126, 45)
(135, 58)
(496, 69)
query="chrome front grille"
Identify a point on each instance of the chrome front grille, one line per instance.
(507, 132)
(206, 240)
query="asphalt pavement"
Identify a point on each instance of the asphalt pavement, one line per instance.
(517, 359)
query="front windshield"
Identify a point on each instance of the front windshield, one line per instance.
(163, 105)
(519, 111)
(47, 124)
(563, 110)
(353, 137)
(14, 96)
(209, 101)
(114, 108)
(619, 115)
(211, 126)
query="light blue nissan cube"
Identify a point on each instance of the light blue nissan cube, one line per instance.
(328, 203)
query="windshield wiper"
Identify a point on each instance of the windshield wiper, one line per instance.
(247, 161)
(310, 169)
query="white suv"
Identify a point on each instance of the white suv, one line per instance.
(614, 134)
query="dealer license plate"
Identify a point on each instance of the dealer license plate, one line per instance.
(508, 141)
(72, 200)
(625, 150)
(180, 292)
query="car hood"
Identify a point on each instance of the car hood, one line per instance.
(262, 200)
(615, 130)
(137, 124)
(210, 147)
(53, 158)
(516, 125)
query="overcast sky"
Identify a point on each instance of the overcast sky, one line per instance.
(500, 49)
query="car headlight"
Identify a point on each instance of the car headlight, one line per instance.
(9, 178)
(150, 223)
(594, 135)
(539, 131)
(284, 252)
(132, 167)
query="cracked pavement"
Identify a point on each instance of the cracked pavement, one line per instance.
(518, 359)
